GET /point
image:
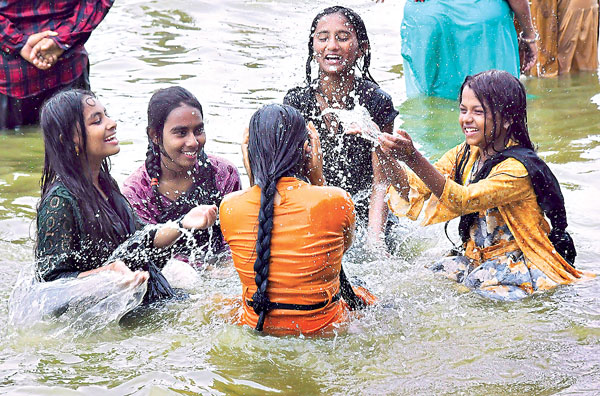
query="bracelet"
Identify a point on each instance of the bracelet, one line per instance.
(180, 223)
(528, 40)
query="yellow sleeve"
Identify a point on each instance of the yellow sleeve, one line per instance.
(419, 192)
(507, 182)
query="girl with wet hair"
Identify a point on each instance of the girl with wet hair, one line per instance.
(177, 174)
(339, 44)
(82, 218)
(500, 189)
(287, 235)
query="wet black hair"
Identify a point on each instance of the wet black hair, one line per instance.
(275, 150)
(61, 119)
(502, 94)
(161, 104)
(361, 34)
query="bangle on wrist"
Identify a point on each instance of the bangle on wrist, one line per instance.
(180, 223)
(528, 40)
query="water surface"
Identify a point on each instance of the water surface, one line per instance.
(429, 335)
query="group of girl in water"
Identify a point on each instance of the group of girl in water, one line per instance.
(311, 179)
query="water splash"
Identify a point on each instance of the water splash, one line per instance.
(357, 119)
(81, 306)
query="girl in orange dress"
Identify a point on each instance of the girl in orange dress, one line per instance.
(287, 236)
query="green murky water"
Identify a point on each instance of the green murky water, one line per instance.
(429, 336)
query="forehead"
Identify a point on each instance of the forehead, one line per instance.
(334, 22)
(184, 114)
(91, 105)
(469, 97)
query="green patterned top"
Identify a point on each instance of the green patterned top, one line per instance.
(64, 249)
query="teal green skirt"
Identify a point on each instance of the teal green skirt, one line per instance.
(443, 41)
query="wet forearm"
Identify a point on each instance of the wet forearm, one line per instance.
(523, 14)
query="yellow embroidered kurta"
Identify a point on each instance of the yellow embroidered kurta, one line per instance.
(508, 188)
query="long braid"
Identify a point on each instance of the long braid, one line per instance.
(275, 147)
(153, 169)
(263, 252)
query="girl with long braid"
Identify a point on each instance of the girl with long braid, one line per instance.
(177, 174)
(287, 237)
(339, 44)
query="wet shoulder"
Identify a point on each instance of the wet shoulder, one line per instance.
(299, 97)
(221, 163)
(139, 178)
(511, 166)
(324, 195)
(237, 199)
(58, 192)
(378, 102)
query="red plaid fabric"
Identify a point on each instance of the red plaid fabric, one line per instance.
(73, 20)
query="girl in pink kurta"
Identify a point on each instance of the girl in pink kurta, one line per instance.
(177, 173)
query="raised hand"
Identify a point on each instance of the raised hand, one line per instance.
(313, 167)
(27, 52)
(200, 217)
(398, 145)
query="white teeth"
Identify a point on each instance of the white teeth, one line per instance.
(189, 152)
(471, 129)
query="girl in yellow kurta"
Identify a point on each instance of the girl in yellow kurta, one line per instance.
(507, 253)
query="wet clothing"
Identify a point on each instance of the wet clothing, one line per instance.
(568, 31)
(64, 249)
(347, 161)
(312, 228)
(73, 20)
(222, 174)
(510, 229)
(443, 41)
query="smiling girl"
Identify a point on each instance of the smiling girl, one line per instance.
(339, 44)
(82, 217)
(177, 174)
(499, 188)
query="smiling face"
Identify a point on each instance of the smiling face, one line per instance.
(478, 125)
(183, 137)
(101, 140)
(335, 44)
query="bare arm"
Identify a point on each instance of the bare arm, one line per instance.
(527, 44)
(200, 217)
(378, 210)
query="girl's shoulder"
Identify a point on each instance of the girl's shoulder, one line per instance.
(138, 177)
(221, 164)
(299, 97)
(58, 191)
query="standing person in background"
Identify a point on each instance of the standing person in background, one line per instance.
(42, 53)
(568, 36)
(339, 44)
(443, 41)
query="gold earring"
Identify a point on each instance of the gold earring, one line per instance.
(77, 151)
